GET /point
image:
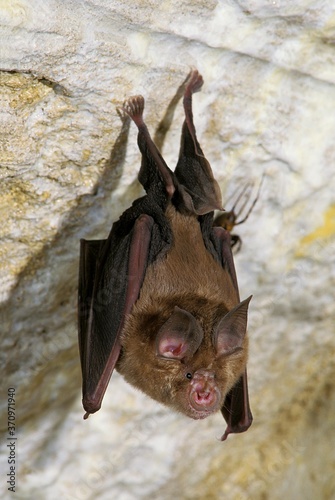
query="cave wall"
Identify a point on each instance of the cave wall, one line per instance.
(68, 169)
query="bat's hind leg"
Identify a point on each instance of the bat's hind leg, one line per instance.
(154, 171)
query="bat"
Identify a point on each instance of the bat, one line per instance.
(229, 219)
(158, 299)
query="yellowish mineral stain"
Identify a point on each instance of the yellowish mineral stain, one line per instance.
(272, 447)
(21, 90)
(86, 154)
(13, 12)
(320, 234)
(20, 94)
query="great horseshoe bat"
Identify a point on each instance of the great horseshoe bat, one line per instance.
(158, 299)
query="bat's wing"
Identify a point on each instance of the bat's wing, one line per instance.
(236, 408)
(111, 275)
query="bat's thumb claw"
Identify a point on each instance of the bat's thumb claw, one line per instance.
(226, 434)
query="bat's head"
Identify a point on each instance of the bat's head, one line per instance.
(191, 362)
(206, 366)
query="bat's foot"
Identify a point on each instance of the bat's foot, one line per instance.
(194, 83)
(134, 107)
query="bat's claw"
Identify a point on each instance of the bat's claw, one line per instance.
(194, 83)
(134, 107)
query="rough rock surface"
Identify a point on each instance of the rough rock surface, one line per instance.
(68, 171)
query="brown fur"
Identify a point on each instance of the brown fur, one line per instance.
(189, 277)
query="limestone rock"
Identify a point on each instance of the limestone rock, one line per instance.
(68, 169)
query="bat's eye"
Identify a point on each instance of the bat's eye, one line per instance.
(189, 376)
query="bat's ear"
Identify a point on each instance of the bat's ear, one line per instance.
(231, 329)
(180, 336)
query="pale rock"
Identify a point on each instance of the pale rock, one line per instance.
(68, 171)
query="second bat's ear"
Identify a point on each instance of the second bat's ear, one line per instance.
(180, 336)
(231, 329)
